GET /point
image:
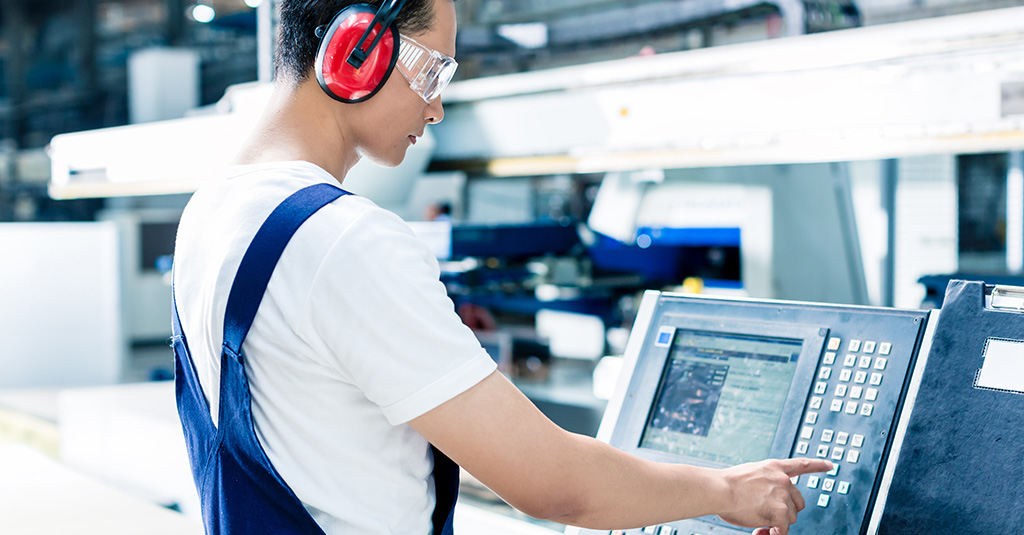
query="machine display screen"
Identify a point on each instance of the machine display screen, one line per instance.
(721, 396)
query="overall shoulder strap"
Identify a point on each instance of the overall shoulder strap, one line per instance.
(261, 258)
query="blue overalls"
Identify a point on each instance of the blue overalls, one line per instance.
(240, 491)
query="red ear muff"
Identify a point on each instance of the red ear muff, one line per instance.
(337, 77)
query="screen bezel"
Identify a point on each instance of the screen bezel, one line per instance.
(644, 386)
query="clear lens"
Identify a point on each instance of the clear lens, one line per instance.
(428, 71)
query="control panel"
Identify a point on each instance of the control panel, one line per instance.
(719, 382)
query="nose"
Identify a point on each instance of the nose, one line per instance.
(435, 111)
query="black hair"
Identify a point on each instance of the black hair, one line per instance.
(296, 47)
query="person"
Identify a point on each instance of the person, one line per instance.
(356, 361)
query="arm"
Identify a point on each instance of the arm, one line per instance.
(498, 435)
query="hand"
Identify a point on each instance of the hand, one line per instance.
(763, 495)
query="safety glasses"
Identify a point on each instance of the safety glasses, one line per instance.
(428, 71)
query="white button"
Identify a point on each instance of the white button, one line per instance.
(865, 362)
(860, 377)
(820, 387)
(880, 363)
(833, 343)
(884, 348)
(865, 409)
(842, 437)
(822, 451)
(830, 358)
(840, 390)
(834, 471)
(801, 448)
(869, 347)
(807, 432)
(837, 405)
(853, 456)
(858, 441)
(844, 487)
(828, 485)
(823, 500)
(666, 530)
(850, 360)
(855, 392)
(837, 453)
(876, 379)
(845, 375)
(871, 394)
(826, 435)
(851, 407)
(815, 403)
(855, 345)
(811, 418)
(795, 479)
(825, 373)
(650, 529)
(812, 482)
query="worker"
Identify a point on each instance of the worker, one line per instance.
(322, 373)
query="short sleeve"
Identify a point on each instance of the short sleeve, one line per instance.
(387, 323)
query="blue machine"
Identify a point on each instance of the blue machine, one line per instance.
(718, 382)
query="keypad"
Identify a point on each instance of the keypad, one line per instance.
(847, 384)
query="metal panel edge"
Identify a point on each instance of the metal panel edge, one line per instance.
(637, 336)
(904, 421)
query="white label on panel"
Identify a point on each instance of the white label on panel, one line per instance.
(1003, 367)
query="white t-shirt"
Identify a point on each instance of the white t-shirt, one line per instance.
(355, 336)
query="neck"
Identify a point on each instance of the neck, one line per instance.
(301, 123)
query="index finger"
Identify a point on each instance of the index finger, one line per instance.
(796, 467)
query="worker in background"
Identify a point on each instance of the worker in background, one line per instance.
(356, 363)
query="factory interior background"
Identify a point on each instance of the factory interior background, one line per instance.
(852, 152)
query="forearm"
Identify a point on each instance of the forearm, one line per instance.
(604, 488)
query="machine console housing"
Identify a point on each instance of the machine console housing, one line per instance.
(719, 382)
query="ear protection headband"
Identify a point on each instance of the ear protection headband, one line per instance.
(358, 50)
